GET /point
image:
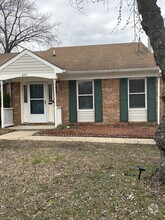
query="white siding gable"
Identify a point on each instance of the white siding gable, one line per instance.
(27, 64)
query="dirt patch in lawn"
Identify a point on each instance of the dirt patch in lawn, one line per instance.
(4, 131)
(122, 130)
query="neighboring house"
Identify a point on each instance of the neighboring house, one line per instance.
(98, 83)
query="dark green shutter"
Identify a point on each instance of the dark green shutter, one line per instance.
(151, 99)
(72, 101)
(98, 100)
(124, 100)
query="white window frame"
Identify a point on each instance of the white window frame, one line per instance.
(85, 95)
(145, 93)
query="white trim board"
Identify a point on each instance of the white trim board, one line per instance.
(108, 75)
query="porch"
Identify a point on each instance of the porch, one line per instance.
(8, 115)
(31, 85)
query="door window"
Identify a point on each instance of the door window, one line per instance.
(36, 99)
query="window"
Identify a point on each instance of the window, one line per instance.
(50, 93)
(137, 93)
(85, 95)
(25, 93)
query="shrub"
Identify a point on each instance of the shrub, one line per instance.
(6, 100)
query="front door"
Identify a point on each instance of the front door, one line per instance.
(37, 105)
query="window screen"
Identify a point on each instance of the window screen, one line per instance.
(85, 95)
(137, 93)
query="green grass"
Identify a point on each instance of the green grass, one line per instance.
(36, 159)
(77, 181)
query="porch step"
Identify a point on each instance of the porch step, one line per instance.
(31, 127)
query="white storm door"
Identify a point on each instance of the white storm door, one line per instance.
(37, 103)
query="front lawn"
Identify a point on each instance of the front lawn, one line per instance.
(77, 181)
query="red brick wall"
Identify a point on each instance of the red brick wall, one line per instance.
(111, 103)
(16, 102)
(63, 100)
(111, 106)
(110, 97)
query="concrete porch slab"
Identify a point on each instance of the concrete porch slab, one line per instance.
(31, 127)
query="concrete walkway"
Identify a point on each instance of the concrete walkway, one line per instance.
(28, 135)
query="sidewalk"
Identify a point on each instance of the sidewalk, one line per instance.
(28, 135)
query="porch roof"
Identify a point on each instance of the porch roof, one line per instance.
(27, 64)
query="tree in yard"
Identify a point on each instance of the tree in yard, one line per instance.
(20, 23)
(153, 24)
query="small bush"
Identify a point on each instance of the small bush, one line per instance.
(6, 100)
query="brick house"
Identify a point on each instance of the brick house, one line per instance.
(98, 83)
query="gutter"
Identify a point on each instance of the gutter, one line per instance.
(113, 70)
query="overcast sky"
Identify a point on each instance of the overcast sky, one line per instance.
(92, 27)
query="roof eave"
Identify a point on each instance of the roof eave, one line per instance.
(112, 70)
(111, 74)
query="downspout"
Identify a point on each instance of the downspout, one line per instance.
(2, 106)
(55, 103)
(10, 92)
(158, 110)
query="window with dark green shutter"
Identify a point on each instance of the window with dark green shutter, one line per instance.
(72, 101)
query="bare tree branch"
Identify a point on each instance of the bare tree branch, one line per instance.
(133, 16)
(20, 22)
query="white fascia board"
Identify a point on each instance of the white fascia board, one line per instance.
(115, 70)
(12, 60)
(110, 74)
(44, 76)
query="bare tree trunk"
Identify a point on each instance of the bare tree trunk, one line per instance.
(159, 176)
(153, 25)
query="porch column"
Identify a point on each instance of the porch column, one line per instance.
(10, 92)
(55, 103)
(2, 106)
